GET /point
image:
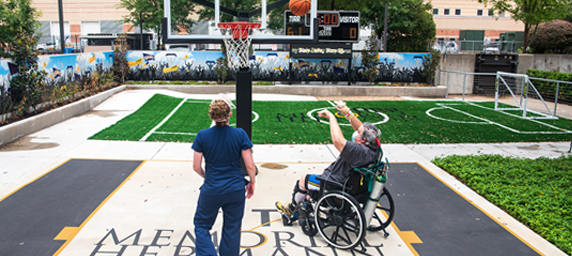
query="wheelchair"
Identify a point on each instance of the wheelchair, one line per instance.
(342, 213)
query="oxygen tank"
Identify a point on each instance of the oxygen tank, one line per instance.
(376, 191)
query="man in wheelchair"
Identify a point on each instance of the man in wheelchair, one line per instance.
(362, 151)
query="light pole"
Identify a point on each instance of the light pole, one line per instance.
(385, 28)
(141, 28)
(61, 16)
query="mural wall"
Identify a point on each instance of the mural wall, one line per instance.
(63, 68)
(202, 65)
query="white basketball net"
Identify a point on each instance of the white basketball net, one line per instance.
(237, 49)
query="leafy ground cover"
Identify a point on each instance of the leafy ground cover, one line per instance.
(537, 192)
(286, 122)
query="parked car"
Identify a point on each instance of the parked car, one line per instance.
(446, 47)
(43, 48)
(178, 47)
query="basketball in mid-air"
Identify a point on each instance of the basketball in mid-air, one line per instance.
(300, 7)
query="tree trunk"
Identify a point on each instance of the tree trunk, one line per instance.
(525, 37)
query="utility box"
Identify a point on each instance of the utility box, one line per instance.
(472, 40)
(511, 41)
(491, 63)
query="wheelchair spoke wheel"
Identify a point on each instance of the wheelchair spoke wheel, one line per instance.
(340, 220)
(384, 212)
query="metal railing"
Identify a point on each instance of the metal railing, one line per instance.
(477, 46)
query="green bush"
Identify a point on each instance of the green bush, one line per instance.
(552, 37)
(548, 89)
(536, 192)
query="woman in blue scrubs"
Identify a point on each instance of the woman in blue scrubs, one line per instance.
(224, 184)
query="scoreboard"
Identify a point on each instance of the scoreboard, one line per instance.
(334, 26)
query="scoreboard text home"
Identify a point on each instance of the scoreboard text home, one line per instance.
(334, 26)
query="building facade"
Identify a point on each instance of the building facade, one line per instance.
(453, 16)
(81, 17)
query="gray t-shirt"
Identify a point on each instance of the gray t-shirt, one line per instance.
(353, 155)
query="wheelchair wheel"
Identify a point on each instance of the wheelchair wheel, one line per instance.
(384, 213)
(340, 220)
(308, 226)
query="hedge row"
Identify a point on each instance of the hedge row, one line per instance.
(548, 89)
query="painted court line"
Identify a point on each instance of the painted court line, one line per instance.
(163, 121)
(486, 121)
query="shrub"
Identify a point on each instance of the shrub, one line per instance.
(221, 69)
(430, 64)
(548, 89)
(120, 65)
(552, 37)
(370, 58)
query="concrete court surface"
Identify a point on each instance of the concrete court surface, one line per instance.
(150, 212)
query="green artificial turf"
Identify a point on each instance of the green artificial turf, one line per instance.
(284, 122)
(537, 192)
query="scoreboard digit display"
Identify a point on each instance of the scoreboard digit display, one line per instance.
(334, 26)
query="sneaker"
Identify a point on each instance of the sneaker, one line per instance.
(285, 208)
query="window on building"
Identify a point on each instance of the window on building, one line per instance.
(435, 11)
(479, 12)
(491, 12)
(440, 39)
(446, 12)
(501, 14)
(457, 11)
(453, 39)
(90, 27)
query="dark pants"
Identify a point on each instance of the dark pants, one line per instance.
(232, 205)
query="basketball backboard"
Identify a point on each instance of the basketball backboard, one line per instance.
(206, 31)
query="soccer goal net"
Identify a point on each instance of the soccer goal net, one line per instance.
(516, 94)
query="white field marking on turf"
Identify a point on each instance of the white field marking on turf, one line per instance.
(163, 121)
(186, 100)
(428, 112)
(385, 117)
(176, 133)
(444, 105)
(532, 120)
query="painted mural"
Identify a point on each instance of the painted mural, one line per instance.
(271, 66)
(202, 66)
(61, 69)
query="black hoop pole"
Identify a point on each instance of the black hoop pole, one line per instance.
(244, 100)
(244, 106)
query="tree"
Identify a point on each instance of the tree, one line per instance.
(410, 28)
(18, 41)
(552, 37)
(150, 13)
(17, 18)
(530, 12)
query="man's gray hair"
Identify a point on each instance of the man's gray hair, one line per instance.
(370, 133)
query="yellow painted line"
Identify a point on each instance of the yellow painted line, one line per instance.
(408, 237)
(485, 212)
(46, 173)
(69, 233)
(263, 224)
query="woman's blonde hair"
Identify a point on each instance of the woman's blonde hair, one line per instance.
(219, 111)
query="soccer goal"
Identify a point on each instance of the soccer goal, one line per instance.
(517, 95)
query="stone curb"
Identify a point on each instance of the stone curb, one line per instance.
(318, 91)
(11, 132)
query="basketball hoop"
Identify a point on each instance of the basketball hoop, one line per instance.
(237, 42)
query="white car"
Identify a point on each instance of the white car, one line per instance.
(446, 47)
(178, 47)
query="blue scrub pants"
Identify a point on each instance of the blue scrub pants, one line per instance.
(232, 205)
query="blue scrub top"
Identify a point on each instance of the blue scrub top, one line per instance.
(222, 148)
